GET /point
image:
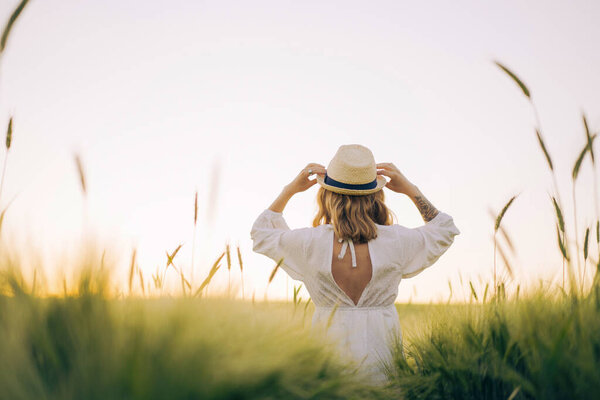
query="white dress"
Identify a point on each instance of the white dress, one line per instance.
(362, 330)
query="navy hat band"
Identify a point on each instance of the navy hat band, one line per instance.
(365, 186)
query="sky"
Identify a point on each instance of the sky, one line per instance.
(233, 99)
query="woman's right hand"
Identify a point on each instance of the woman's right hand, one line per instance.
(398, 182)
(302, 181)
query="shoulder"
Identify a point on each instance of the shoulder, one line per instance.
(392, 235)
(392, 231)
(441, 220)
(318, 232)
(308, 234)
(314, 237)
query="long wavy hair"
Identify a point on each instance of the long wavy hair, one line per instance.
(353, 217)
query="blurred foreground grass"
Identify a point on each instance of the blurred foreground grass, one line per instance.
(86, 346)
(91, 342)
(91, 345)
(545, 345)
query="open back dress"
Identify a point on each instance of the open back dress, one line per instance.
(368, 329)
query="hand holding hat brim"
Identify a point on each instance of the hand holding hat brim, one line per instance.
(398, 182)
(302, 181)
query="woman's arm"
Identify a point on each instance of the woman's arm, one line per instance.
(427, 210)
(299, 184)
(423, 245)
(398, 183)
(272, 236)
(281, 201)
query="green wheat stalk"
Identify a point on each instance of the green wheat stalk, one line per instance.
(538, 132)
(241, 264)
(228, 253)
(132, 267)
(194, 234)
(9, 25)
(586, 241)
(213, 270)
(587, 148)
(496, 227)
(273, 272)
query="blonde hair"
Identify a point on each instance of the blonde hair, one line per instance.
(353, 217)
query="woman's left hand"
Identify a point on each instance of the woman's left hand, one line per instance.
(302, 181)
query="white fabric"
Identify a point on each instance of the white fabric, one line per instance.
(363, 330)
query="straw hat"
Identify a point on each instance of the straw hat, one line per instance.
(352, 171)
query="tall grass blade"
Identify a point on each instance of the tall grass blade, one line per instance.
(102, 259)
(171, 256)
(506, 262)
(9, 25)
(585, 243)
(561, 245)
(515, 78)
(213, 270)
(81, 172)
(228, 252)
(34, 282)
(187, 283)
(184, 282)
(206, 281)
(132, 269)
(501, 215)
(507, 238)
(559, 215)
(240, 262)
(544, 149)
(585, 254)
(275, 270)
(590, 139)
(579, 160)
(485, 291)
(194, 235)
(306, 305)
(2, 218)
(9, 131)
(196, 208)
(473, 292)
(142, 281)
(296, 292)
(514, 393)
(8, 142)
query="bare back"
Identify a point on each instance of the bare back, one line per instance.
(352, 280)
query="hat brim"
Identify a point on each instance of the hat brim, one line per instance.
(381, 182)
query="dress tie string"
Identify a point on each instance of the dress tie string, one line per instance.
(345, 244)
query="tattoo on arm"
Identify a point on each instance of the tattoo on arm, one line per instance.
(427, 210)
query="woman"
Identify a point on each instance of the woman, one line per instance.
(354, 292)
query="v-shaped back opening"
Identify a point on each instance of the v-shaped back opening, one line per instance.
(351, 281)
